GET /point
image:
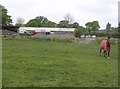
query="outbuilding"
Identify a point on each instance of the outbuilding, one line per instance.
(46, 30)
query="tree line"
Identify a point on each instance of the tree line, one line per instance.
(67, 22)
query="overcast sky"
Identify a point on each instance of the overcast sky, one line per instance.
(83, 11)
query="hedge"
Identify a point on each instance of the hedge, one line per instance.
(105, 34)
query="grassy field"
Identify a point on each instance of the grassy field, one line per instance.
(36, 63)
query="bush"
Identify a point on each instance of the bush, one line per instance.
(105, 34)
(78, 33)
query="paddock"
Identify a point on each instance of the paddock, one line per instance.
(34, 63)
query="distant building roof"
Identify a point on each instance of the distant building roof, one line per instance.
(39, 29)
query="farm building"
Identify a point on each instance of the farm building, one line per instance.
(46, 30)
(8, 29)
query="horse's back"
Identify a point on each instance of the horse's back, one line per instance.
(103, 44)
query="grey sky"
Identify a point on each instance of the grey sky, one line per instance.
(83, 11)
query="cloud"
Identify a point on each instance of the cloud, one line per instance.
(83, 10)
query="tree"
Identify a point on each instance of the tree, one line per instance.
(19, 22)
(95, 26)
(75, 25)
(82, 29)
(42, 21)
(68, 17)
(119, 27)
(88, 26)
(6, 19)
(67, 22)
(92, 26)
(63, 24)
(39, 21)
(77, 33)
(114, 29)
(51, 24)
(32, 23)
(108, 27)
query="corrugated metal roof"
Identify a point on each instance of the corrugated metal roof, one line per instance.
(39, 29)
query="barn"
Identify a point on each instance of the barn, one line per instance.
(46, 30)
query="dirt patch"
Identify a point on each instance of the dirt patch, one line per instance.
(85, 41)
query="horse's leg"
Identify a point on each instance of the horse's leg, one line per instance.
(105, 53)
(108, 54)
(100, 51)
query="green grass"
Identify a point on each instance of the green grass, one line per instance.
(33, 63)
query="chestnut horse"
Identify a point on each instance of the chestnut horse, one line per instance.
(105, 46)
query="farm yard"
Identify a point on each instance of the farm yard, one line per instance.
(58, 63)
